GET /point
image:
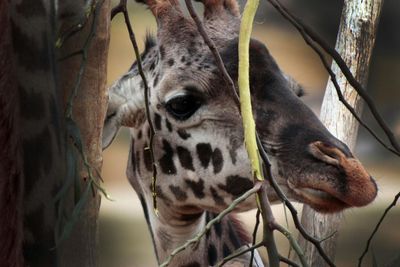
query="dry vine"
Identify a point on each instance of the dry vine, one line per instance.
(122, 8)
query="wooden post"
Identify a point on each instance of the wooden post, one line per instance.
(355, 42)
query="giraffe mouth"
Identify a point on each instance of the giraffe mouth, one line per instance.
(318, 199)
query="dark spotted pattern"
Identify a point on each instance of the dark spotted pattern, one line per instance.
(217, 198)
(35, 57)
(190, 217)
(161, 195)
(171, 62)
(204, 152)
(178, 193)
(168, 124)
(185, 158)
(137, 161)
(217, 160)
(157, 121)
(233, 237)
(166, 162)
(234, 144)
(34, 165)
(162, 52)
(183, 134)
(236, 185)
(165, 239)
(218, 229)
(155, 82)
(212, 255)
(196, 187)
(209, 217)
(32, 104)
(225, 250)
(147, 158)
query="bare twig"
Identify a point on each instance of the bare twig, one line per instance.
(293, 243)
(196, 239)
(122, 8)
(239, 252)
(255, 236)
(292, 209)
(288, 261)
(311, 38)
(220, 64)
(394, 202)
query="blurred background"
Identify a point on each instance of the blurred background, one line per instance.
(125, 240)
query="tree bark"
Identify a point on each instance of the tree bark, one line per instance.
(355, 43)
(89, 108)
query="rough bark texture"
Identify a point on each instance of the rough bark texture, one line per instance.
(89, 108)
(355, 42)
(10, 164)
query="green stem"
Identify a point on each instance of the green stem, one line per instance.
(246, 27)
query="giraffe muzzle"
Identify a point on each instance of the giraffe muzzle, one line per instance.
(357, 187)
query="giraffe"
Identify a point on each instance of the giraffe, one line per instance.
(198, 143)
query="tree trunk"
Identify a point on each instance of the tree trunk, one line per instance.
(89, 108)
(35, 139)
(355, 42)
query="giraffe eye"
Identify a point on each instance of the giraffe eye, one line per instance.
(183, 106)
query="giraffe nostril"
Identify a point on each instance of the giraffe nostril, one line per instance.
(326, 153)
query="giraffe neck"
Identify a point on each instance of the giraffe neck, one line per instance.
(174, 226)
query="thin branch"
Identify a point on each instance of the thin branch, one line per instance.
(270, 224)
(394, 202)
(122, 8)
(239, 252)
(255, 236)
(292, 209)
(211, 45)
(311, 38)
(288, 261)
(293, 243)
(217, 219)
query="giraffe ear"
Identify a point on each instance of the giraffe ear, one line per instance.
(125, 108)
(112, 122)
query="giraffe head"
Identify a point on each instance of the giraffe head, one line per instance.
(199, 149)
